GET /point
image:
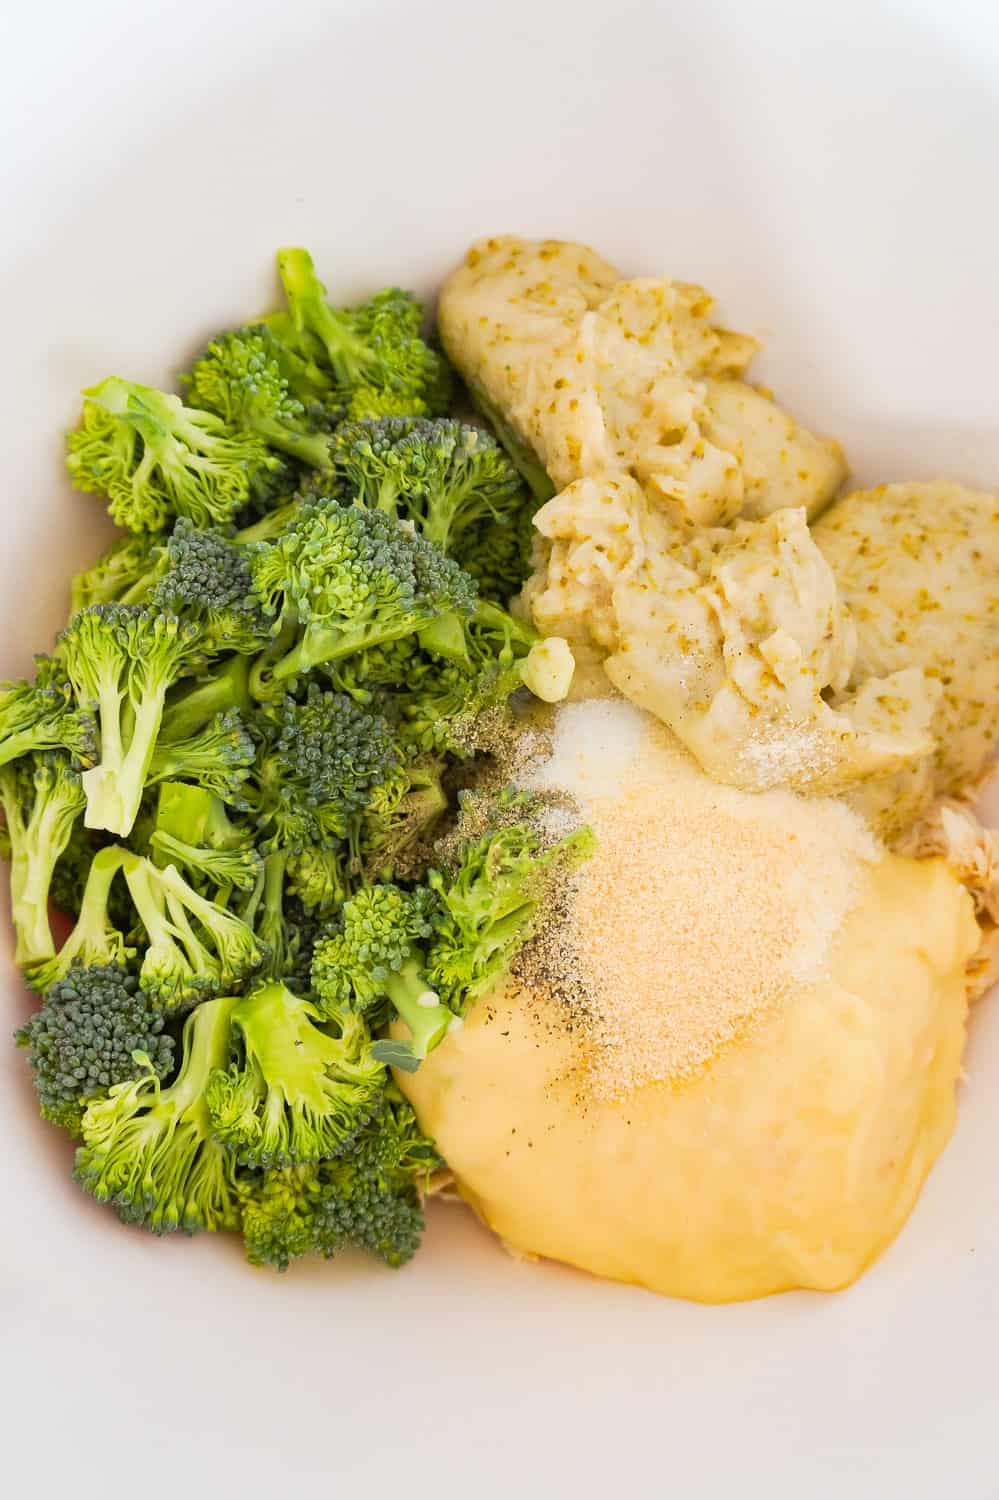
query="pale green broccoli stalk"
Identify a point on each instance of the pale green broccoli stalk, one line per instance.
(317, 763)
(85, 1038)
(41, 798)
(300, 1093)
(193, 830)
(94, 940)
(488, 899)
(446, 477)
(219, 757)
(244, 377)
(372, 353)
(266, 912)
(352, 579)
(41, 715)
(155, 458)
(195, 704)
(150, 1151)
(194, 946)
(376, 955)
(123, 659)
(207, 579)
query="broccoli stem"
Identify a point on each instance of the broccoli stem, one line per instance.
(348, 355)
(227, 688)
(445, 636)
(33, 860)
(114, 788)
(418, 1006)
(90, 933)
(309, 448)
(323, 643)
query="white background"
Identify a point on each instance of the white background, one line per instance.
(829, 170)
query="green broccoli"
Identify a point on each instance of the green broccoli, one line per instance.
(488, 896)
(193, 830)
(124, 574)
(446, 477)
(398, 820)
(154, 458)
(150, 1151)
(41, 797)
(371, 352)
(85, 1038)
(196, 703)
(352, 579)
(42, 716)
(218, 757)
(317, 876)
(123, 659)
(193, 946)
(299, 1093)
(317, 762)
(377, 954)
(249, 379)
(95, 939)
(207, 580)
(368, 1197)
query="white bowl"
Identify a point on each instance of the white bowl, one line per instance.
(828, 170)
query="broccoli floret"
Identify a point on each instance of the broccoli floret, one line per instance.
(377, 955)
(84, 1039)
(398, 821)
(218, 757)
(299, 1093)
(95, 939)
(370, 351)
(248, 379)
(194, 830)
(317, 875)
(123, 659)
(488, 898)
(154, 458)
(192, 706)
(497, 554)
(369, 1197)
(317, 763)
(352, 579)
(208, 580)
(41, 715)
(41, 797)
(446, 477)
(194, 946)
(124, 575)
(150, 1151)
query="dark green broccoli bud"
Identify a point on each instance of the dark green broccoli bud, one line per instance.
(150, 1151)
(377, 954)
(446, 477)
(123, 659)
(208, 580)
(193, 830)
(194, 946)
(317, 763)
(354, 579)
(488, 897)
(371, 349)
(244, 377)
(195, 704)
(95, 939)
(154, 458)
(218, 757)
(124, 575)
(42, 715)
(41, 798)
(368, 1197)
(84, 1039)
(300, 1093)
(317, 876)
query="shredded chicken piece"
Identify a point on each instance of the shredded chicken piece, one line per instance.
(952, 831)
